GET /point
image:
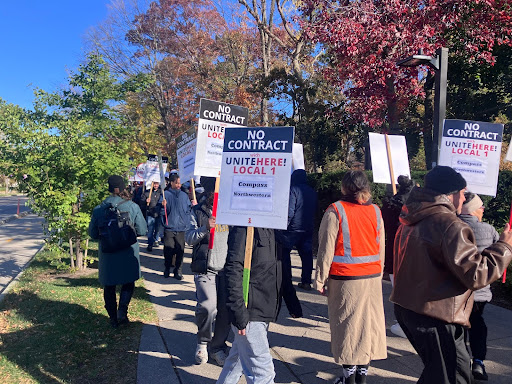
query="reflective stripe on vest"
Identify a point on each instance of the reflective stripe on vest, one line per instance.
(357, 254)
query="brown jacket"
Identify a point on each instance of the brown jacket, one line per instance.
(437, 265)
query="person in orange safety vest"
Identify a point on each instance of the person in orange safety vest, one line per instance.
(349, 272)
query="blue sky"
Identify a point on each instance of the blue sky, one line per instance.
(40, 41)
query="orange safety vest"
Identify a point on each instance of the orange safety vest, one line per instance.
(357, 252)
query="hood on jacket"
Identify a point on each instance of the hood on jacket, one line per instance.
(299, 177)
(423, 202)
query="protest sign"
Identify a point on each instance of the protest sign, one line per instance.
(214, 117)
(383, 154)
(186, 153)
(473, 149)
(297, 157)
(152, 169)
(255, 177)
(139, 174)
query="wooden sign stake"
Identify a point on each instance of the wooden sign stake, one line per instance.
(247, 263)
(193, 189)
(390, 163)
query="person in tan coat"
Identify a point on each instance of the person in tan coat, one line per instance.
(349, 272)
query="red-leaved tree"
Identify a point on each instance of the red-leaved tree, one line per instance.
(363, 39)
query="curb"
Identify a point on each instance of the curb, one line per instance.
(13, 217)
(15, 279)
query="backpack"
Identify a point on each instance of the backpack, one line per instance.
(117, 231)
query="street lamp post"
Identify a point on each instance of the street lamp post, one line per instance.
(440, 65)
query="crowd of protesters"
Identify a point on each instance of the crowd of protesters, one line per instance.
(431, 241)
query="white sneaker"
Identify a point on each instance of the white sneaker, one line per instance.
(219, 357)
(201, 354)
(397, 330)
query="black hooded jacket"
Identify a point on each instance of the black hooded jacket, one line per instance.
(265, 277)
(302, 205)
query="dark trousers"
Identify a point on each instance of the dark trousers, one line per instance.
(287, 290)
(478, 331)
(174, 245)
(440, 345)
(304, 244)
(109, 295)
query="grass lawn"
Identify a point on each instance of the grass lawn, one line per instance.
(54, 329)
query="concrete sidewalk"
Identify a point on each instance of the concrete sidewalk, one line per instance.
(300, 347)
(21, 237)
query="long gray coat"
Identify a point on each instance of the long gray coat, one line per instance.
(356, 311)
(485, 236)
(124, 266)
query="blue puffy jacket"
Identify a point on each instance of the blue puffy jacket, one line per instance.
(178, 210)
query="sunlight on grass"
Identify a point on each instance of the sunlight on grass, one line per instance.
(54, 328)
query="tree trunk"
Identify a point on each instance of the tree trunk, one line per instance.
(71, 253)
(85, 254)
(392, 108)
(79, 254)
(428, 118)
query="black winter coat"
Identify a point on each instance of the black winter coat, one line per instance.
(153, 209)
(199, 262)
(302, 205)
(265, 280)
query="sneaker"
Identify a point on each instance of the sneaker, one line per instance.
(478, 370)
(397, 330)
(339, 380)
(219, 357)
(201, 354)
(149, 248)
(178, 276)
(167, 272)
(304, 286)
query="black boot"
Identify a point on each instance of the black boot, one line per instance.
(124, 300)
(361, 374)
(109, 294)
(111, 310)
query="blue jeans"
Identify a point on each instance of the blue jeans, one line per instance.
(154, 224)
(250, 355)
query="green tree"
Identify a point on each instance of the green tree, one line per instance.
(63, 151)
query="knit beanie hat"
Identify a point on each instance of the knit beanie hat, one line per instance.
(472, 205)
(115, 181)
(208, 183)
(444, 180)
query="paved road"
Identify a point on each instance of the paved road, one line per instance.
(20, 239)
(9, 205)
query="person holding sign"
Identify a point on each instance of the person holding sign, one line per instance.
(210, 279)
(437, 266)
(301, 220)
(176, 209)
(349, 272)
(485, 235)
(250, 353)
(151, 197)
